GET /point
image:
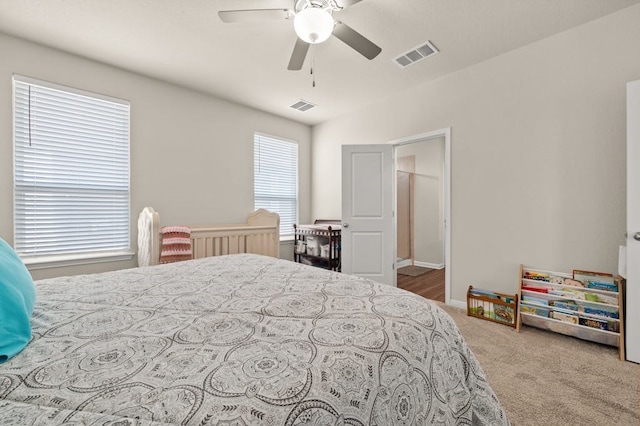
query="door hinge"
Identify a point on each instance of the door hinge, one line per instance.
(393, 266)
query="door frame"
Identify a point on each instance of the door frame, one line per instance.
(423, 137)
(632, 225)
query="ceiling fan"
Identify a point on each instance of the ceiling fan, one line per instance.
(313, 22)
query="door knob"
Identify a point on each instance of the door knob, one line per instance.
(346, 225)
(636, 236)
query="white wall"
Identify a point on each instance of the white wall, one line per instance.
(538, 152)
(191, 154)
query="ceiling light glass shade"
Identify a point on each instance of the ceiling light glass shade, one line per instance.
(313, 25)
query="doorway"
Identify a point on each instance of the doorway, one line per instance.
(423, 225)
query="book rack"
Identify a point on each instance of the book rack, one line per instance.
(492, 306)
(575, 304)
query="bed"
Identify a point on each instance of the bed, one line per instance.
(259, 235)
(238, 340)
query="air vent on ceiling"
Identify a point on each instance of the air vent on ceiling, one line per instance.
(416, 54)
(303, 105)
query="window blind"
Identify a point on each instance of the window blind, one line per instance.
(71, 171)
(276, 179)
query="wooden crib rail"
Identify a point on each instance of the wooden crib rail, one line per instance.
(216, 241)
(260, 235)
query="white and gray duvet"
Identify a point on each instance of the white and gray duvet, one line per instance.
(241, 339)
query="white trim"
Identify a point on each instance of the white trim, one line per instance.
(402, 263)
(446, 133)
(407, 262)
(429, 265)
(45, 262)
(457, 304)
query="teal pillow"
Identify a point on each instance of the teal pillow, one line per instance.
(17, 297)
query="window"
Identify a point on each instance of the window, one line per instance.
(71, 174)
(276, 179)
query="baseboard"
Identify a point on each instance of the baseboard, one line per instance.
(407, 262)
(458, 304)
(403, 263)
(429, 265)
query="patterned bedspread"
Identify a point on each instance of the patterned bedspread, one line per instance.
(241, 339)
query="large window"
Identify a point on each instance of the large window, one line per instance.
(276, 179)
(71, 173)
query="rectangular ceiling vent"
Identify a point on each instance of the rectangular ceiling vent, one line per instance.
(303, 105)
(416, 54)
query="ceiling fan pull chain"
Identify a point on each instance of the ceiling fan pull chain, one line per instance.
(313, 62)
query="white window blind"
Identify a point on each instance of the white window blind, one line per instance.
(71, 172)
(276, 179)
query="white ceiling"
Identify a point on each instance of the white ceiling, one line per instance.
(184, 42)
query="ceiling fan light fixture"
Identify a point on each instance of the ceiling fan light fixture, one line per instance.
(313, 24)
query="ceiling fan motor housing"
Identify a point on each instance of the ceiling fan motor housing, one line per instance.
(330, 5)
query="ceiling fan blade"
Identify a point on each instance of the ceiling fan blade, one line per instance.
(254, 15)
(357, 41)
(298, 55)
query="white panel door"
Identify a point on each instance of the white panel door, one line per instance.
(368, 199)
(632, 308)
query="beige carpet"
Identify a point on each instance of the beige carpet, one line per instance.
(413, 271)
(544, 378)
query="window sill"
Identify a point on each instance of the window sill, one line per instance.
(287, 239)
(44, 262)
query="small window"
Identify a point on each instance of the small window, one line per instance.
(276, 179)
(71, 173)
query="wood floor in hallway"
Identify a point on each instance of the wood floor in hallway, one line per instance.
(429, 285)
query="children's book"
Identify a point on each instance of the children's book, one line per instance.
(572, 319)
(600, 324)
(598, 285)
(535, 300)
(534, 310)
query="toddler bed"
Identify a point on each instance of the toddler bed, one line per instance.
(238, 340)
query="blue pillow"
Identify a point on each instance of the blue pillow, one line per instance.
(17, 297)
